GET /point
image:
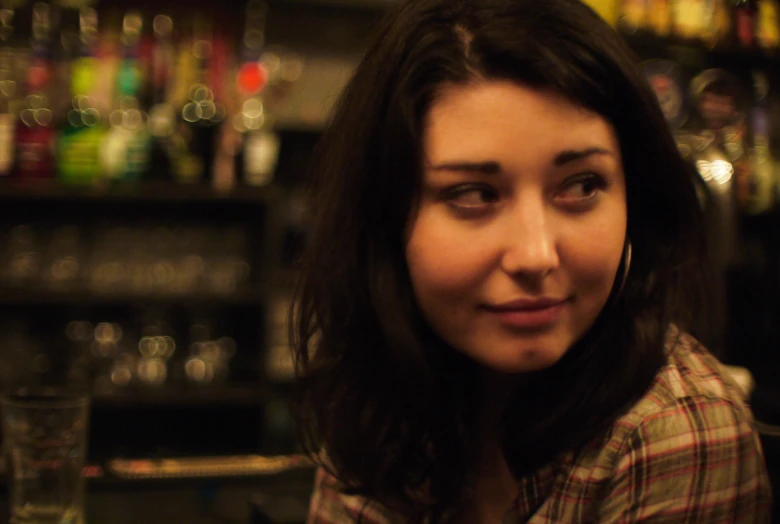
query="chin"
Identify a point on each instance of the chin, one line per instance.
(525, 360)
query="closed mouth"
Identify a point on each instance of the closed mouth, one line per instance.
(529, 305)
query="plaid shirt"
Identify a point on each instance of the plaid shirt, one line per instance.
(686, 452)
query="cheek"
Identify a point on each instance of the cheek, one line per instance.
(444, 262)
(594, 258)
(436, 273)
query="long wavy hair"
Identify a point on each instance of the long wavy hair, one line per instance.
(396, 410)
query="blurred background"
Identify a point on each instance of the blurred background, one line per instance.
(152, 168)
(713, 65)
(153, 160)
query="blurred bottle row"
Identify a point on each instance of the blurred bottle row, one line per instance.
(727, 125)
(140, 350)
(126, 260)
(732, 23)
(729, 119)
(89, 101)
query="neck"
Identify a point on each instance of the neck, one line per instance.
(494, 487)
(497, 391)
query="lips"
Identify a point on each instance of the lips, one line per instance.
(523, 304)
(529, 313)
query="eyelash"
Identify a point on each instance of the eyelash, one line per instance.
(452, 195)
(598, 182)
(489, 194)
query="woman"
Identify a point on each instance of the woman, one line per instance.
(492, 322)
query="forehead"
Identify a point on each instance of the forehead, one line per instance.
(490, 119)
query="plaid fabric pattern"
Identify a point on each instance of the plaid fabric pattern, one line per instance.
(686, 452)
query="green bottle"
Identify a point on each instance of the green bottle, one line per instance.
(78, 147)
(125, 151)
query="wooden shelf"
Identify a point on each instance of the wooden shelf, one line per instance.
(184, 396)
(647, 44)
(238, 7)
(363, 4)
(141, 192)
(22, 297)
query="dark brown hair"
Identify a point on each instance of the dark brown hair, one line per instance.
(395, 409)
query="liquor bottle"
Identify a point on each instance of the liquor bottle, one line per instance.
(660, 17)
(125, 148)
(133, 117)
(8, 88)
(665, 78)
(200, 115)
(633, 15)
(693, 18)
(715, 168)
(34, 128)
(227, 137)
(721, 27)
(768, 25)
(162, 116)
(68, 50)
(82, 132)
(259, 147)
(745, 22)
(761, 189)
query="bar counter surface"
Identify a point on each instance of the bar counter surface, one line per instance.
(281, 498)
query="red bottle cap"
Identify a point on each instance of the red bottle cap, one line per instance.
(252, 78)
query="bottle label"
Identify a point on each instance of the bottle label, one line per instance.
(38, 74)
(745, 21)
(760, 194)
(6, 144)
(124, 153)
(664, 78)
(34, 155)
(768, 31)
(83, 75)
(692, 17)
(261, 152)
(79, 153)
(128, 78)
(188, 168)
(660, 17)
(633, 14)
(137, 154)
(113, 152)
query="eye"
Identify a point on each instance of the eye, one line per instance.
(581, 188)
(470, 197)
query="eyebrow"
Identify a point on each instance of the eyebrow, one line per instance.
(570, 155)
(485, 168)
(492, 168)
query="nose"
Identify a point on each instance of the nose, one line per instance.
(530, 242)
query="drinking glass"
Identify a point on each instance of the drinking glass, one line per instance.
(45, 442)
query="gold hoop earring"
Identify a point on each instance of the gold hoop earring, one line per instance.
(627, 260)
(626, 266)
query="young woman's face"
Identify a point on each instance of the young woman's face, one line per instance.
(521, 224)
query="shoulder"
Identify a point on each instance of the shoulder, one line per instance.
(687, 449)
(692, 384)
(330, 504)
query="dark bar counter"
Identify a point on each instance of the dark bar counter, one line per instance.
(280, 498)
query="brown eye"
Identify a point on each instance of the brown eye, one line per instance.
(582, 188)
(470, 196)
